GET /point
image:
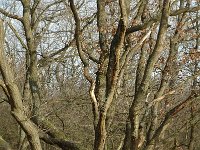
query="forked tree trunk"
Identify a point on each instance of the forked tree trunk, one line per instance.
(15, 98)
(138, 108)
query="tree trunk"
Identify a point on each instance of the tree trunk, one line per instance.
(100, 133)
(15, 98)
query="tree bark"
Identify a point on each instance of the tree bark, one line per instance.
(16, 99)
(138, 108)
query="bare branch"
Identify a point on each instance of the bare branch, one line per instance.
(158, 47)
(114, 56)
(142, 26)
(172, 112)
(157, 18)
(17, 35)
(38, 19)
(43, 61)
(184, 10)
(83, 58)
(10, 15)
(128, 54)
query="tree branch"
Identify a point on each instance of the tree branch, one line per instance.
(171, 113)
(54, 136)
(17, 35)
(158, 47)
(114, 56)
(157, 18)
(184, 10)
(83, 58)
(10, 15)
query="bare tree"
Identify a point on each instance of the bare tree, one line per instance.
(137, 60)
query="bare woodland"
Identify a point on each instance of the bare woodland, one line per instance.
(99, 74)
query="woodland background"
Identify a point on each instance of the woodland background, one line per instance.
(100, 74)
